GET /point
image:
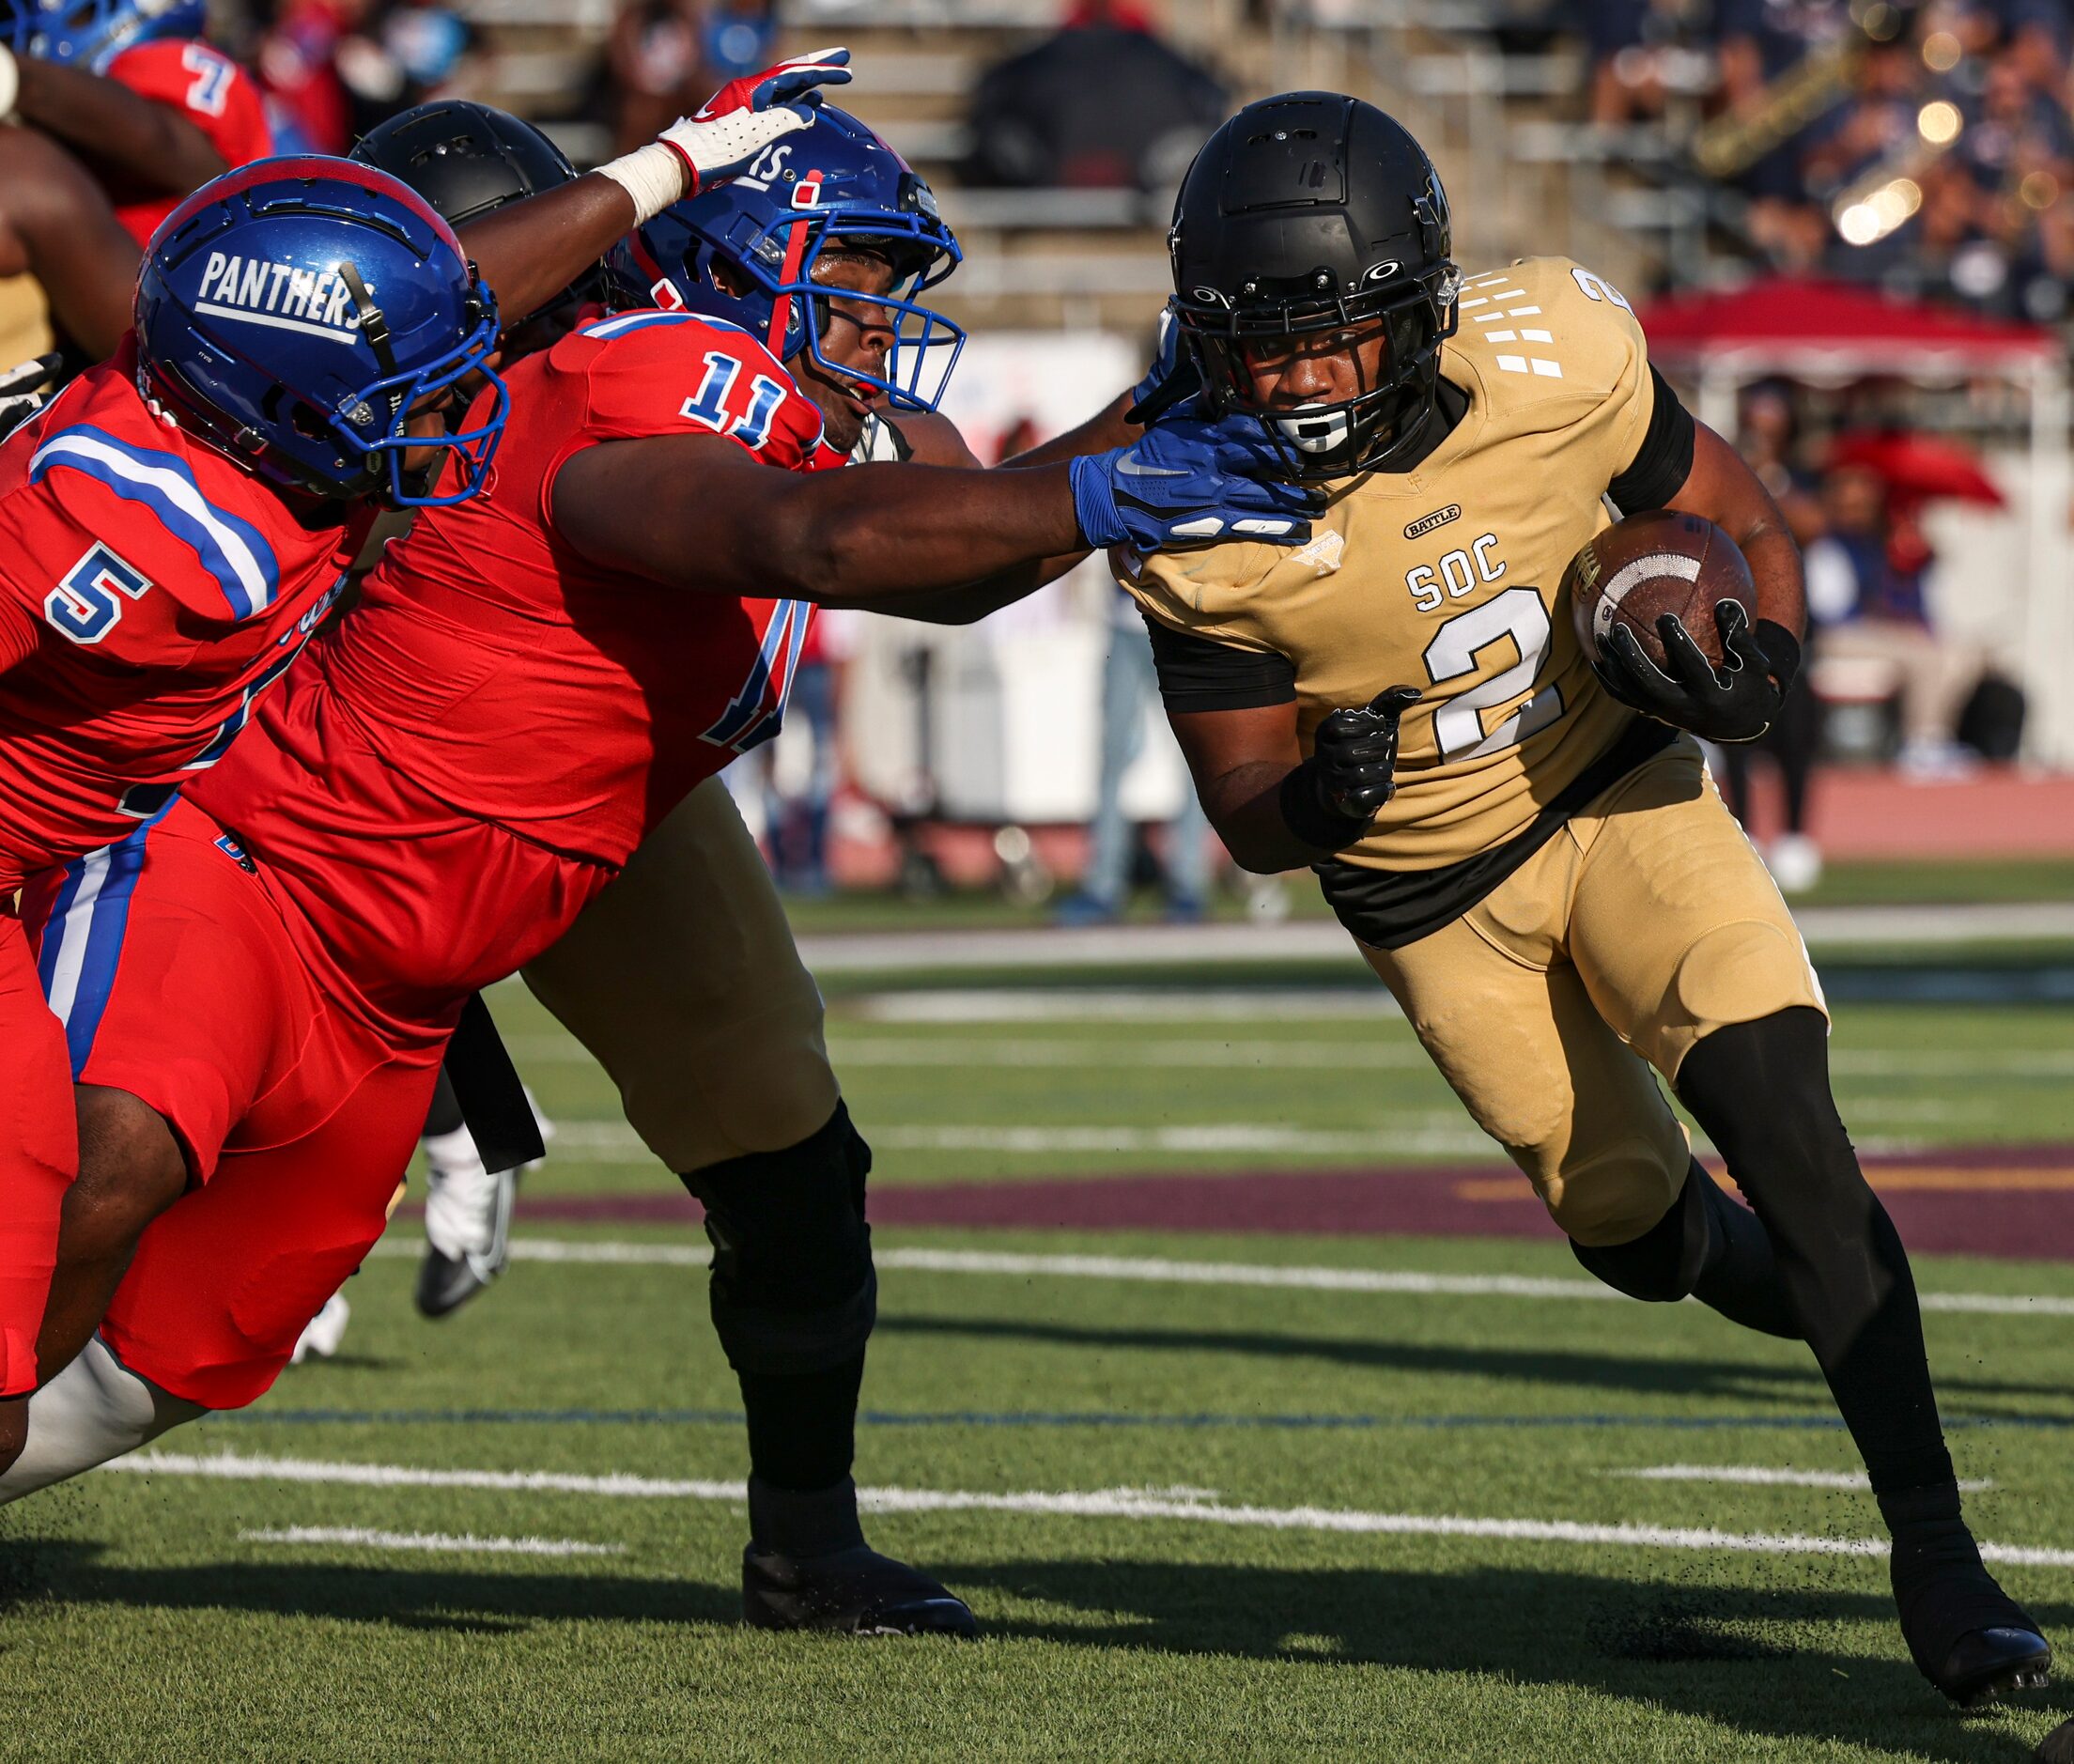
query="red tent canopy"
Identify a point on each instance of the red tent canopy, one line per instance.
(1833, 330)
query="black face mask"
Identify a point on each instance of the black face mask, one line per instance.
(1382, 427)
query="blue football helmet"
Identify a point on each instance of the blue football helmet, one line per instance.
(746, 253)
(92, 33)
(294, 312)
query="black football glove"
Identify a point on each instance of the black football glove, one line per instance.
(1329, 800)
(1735, 701)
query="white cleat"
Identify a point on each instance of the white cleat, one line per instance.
(322, 1334)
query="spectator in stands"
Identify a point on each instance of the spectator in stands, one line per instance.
(787, 787)
(1762, 42)
(333, 68)
(298, 66)
(1765, 436)
(738, 37)
(1130, 695)
(1644, 53)
(1864, 583)
(1102, 104)
(650, 61)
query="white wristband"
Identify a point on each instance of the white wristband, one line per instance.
(11, 84)
(653, 176)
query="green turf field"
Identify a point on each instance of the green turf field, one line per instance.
(1213, 1496)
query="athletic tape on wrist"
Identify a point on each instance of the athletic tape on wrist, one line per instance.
(11, 84)
(655, 176)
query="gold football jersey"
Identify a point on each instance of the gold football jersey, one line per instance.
(25, 321)
(1448, 577)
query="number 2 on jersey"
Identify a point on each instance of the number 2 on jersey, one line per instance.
(1517, 617)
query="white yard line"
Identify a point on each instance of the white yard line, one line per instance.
(616, 1142)
(1764, 1476)
(1300, 1054)
(1358, 1055)
(1154, 946)
(1030, 1004)
(1136, 1505)
(365, 1537)
(1165, 1270)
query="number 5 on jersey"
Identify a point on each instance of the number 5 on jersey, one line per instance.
(83, 605)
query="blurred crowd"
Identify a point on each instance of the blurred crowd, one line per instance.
(1926, 147)
(333, 68)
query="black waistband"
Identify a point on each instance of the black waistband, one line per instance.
(1388, 908)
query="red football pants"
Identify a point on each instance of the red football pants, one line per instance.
(38, 1151)
(180, 979)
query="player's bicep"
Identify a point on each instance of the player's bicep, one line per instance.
(691, 510)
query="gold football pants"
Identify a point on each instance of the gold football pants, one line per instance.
(1646, 924)
(683, 981)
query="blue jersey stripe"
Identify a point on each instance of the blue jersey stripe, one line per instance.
(85, 932)
(233, 551)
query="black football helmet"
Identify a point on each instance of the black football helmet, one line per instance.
(1313, 212)
(467, 159)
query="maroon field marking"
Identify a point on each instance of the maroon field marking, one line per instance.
(1975, 1200)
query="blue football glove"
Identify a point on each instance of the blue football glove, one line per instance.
(734, 126)
(1188, 481)
(1172, 378)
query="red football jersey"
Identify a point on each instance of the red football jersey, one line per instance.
(496, 694)
(484, 642)
(212, 92)
(165, 589)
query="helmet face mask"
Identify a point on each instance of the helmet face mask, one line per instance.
(379, 425)
(755, 252)
(785, 263)
(1307, 219)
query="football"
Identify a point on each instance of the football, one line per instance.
(1652, 563)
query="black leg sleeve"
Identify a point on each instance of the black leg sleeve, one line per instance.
(793, 1298)
(1704, 1247)
(1761, 1091)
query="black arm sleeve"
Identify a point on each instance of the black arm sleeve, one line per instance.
(1200, 674)
(1665, 461)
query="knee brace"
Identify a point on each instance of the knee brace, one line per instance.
(94, 1410)
(793, 1289)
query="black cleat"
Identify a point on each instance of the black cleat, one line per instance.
(470, 1209)
(855, 1591)
(1965, 1634)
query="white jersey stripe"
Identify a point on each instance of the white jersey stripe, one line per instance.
(73, 934)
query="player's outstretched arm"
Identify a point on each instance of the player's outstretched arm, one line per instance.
(148, 144)
(57, 226)
(528, 252)
(935, 441)
(697, 512)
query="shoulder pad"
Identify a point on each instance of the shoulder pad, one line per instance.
(1546, 326)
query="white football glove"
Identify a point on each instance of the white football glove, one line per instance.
(729, 130)
(723, 138)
